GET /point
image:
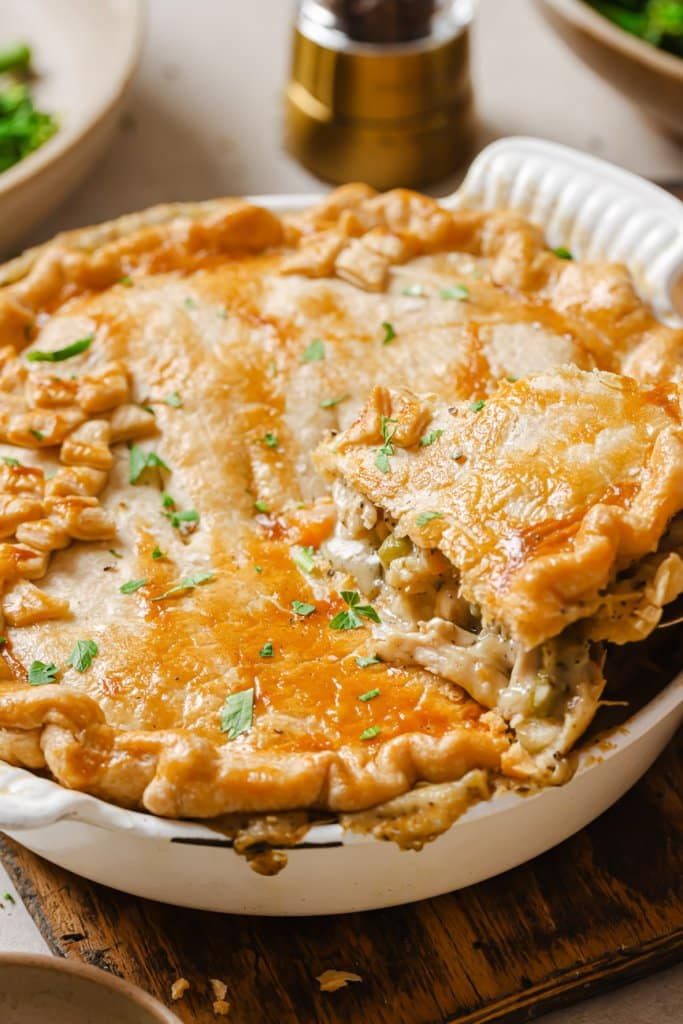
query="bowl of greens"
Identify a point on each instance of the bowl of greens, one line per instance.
(636, 45)
(65, 68)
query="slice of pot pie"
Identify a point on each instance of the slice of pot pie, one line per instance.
(508, 537)
(186, 628)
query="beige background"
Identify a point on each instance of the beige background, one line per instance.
(204, 120)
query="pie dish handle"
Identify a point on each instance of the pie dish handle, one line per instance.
(594, 209)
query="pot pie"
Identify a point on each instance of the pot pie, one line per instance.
(332, 513)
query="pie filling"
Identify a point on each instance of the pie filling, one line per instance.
(203, 618)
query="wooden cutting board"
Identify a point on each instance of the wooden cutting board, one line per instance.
(603, 908)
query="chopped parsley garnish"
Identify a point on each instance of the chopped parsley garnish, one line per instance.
(458, 292)
(126, 281)
(3, 641)
(562, 253)
(9, 461)
(351, 618)
(261, 506)
(267, 650)
(478, 405)
(194, 579)
(511, 380)
(238, 713)
(370, 732)
(61, 354)
(314, 352)
(387, 449)
(139, 461)
(327, 403)
(174, 400)
(157, 553)
(167, 501)
(430, 438)
(370, 695)
(188, 515)
(258, 568)
(38, 434)
(131, 586)
(301, 608)
(41, 673)
(82, 655)
(189, 303)
(413, 290)
(149, 409)
(364, 661)
(270, 439)
(116, 554)
(8, 897)
(389, 332)
(303, 558)
(426, 517)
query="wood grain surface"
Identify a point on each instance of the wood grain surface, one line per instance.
(602, 908)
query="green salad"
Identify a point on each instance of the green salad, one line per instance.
(659, 22)
(22, 128)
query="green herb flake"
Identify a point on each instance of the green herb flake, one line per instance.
(262, 507)
(190, 582)
(511, 379)
(370, 732)
(414, 291)
(238, 713)
(328, 403)
(174, 400)
(189, 303)
(304, 560)
(387, 449)
(478, 405)
(188, 515)
(389, 332)
(126, 281)
(301, 608)
(167, 501)
(364, 661)
(370, 695)
(139, 461)
(9, 461)
(3, 641)
(426, 517)
(38, 434)
(40, 673)
(270, 439)
(315, 352)
(61, 354)
(8, 897)
(116, 554)
(267, 650)
(562, 253)
(458, 292)
(157, 553)
(131, 586)
(258, 568)
(82, 655)
(430, 438)
(355, 611)
(149, 409)
(223, 314)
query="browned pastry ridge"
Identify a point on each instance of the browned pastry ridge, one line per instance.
(159, 498)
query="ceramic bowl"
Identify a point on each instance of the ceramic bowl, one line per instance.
(650, 77)
(84, 56)
(50, 990)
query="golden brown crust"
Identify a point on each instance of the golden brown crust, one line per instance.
(355, 242)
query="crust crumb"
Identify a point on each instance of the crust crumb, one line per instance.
(179, 988)
(221, 1008)
(331, 980)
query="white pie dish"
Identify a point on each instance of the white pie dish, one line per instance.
(85, 56)
(595, 210)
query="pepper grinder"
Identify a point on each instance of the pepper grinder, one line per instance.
(380, 90)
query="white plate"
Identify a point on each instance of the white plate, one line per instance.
(601, 212)
(84, 54)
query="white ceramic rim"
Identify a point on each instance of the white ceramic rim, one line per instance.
(612, 35)
(29, 801)
(67, 138)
